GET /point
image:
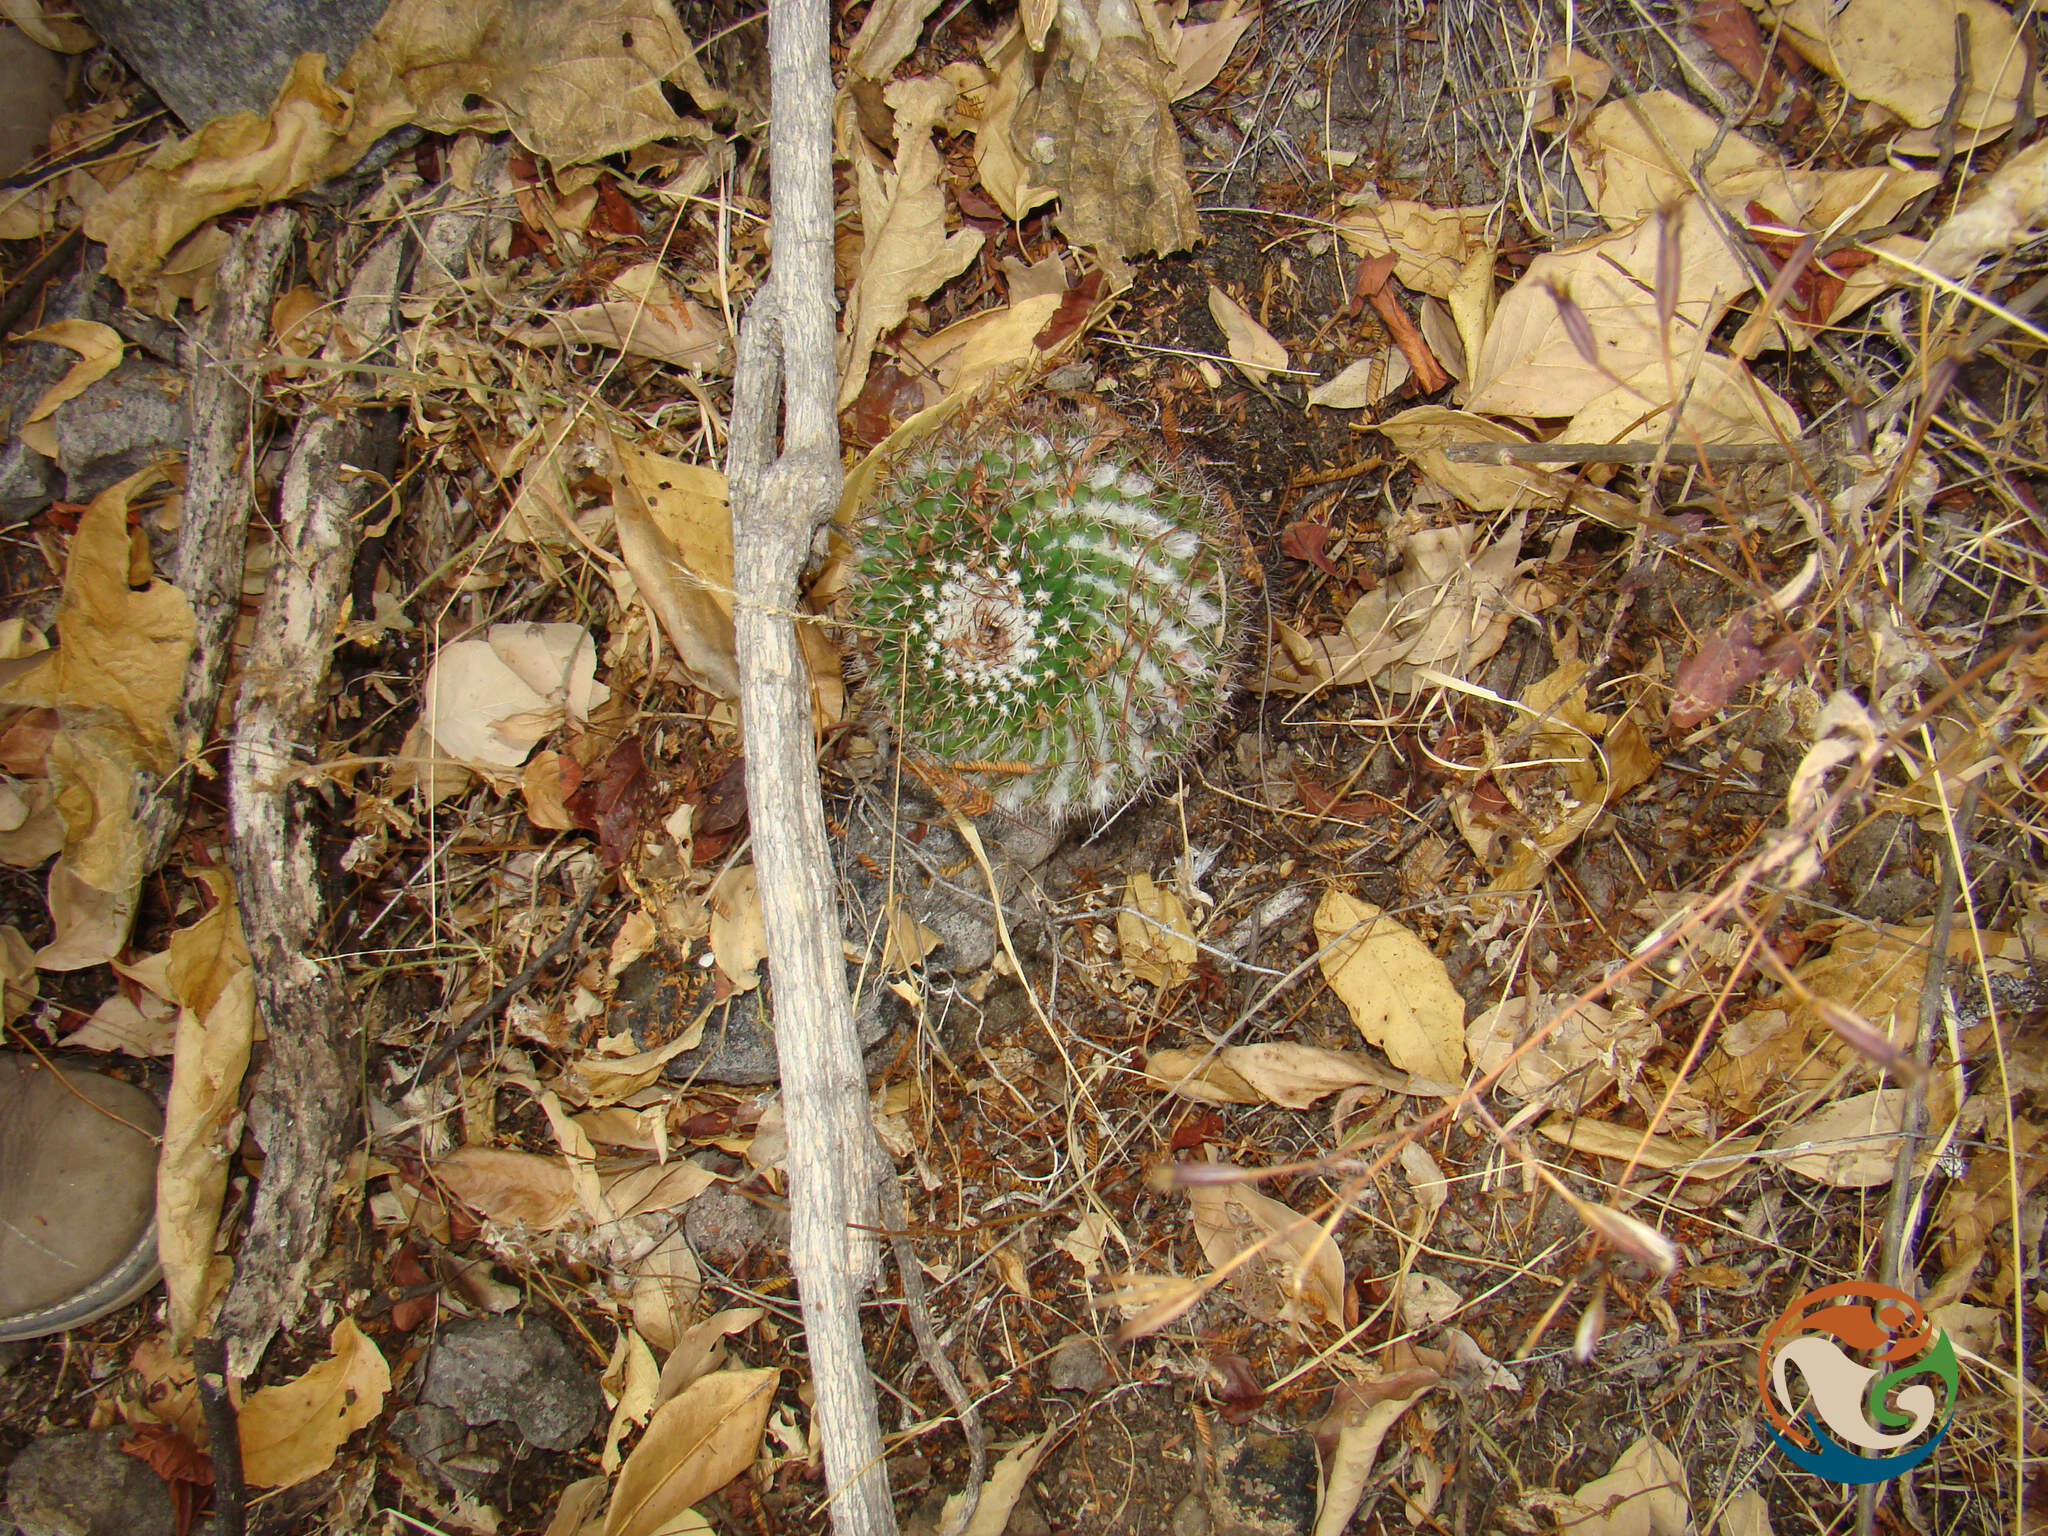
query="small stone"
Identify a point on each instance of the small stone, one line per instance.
(724, 1226)
(1266, 1486)
(1078, 1364)
(491, 1369)
(126, 421)
(658, 994)
(86, 1485)
(433, 1436)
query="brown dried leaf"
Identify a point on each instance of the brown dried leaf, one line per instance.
(1399, 993)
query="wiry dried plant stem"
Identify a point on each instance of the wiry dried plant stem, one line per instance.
(778, 501)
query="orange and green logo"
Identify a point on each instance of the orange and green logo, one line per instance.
(1879, 1380)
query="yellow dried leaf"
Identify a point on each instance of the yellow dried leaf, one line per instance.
(695, 1444)
(291, 1432)
(1153, 933)
(1250, 344)
(519, 1188)
(1297, 1275)
(739, 942)
(675, 534)
(99, 348)
(1399, 994)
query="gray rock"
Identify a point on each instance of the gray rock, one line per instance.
(28, 481)
(724, 1226)
(434, 1437)
(86, 1485)
(1078, 1364)
(659, 996)
(492, 1369)
(133, 417)
(910, 850)
(207, 58)
(1265, 1486)
(35, 95)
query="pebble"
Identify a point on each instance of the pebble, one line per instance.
(1078, 1364)
(86, 1485)
(491, 1369)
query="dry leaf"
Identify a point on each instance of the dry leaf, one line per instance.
(1530, 363)
(739, 942)
(643, 316)
(517, 1188)
(1589, 1052)
(114, 678)
(1297, 1275)
(1202, 48)
(1448, 609)
(629, 1380)
(574, 80)
(1365, 382)
(291, 1432)
(887, 35)
(1003, 173)
(486, 703)
(1251, 345)
(2004, 209)
(1272, 1071)
(905, 250)
(1430, 246)
(695, 1444)
(1365, 1409)
(1853, 1143)
(1644, 1494)
(1901, 55)
(701, 1349)
(99, 348)
(1628, 174)
(905, 940)
(1399, 994)
(1097, 126)
(1005, 1484)
(207, 973)
(675, 535)
(1690, 1157)
(1153, 934)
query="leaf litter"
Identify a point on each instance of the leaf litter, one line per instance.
(1564, 902)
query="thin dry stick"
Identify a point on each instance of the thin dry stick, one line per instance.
(778, 502)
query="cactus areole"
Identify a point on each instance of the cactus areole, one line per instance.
(1046, 615)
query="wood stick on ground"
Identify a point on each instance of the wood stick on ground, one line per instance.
(220, 493)
(306, 1096)
(778, 502)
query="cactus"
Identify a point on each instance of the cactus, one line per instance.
(1048, 616)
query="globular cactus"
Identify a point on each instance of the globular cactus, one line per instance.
(1048, 615)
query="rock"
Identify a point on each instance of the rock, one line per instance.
(1265, 1486)
(28, 480)
(86, 1485)
(491, 1369)
(434, 1437)
(207, 58)
(660, 995)
(133, 417)
(35, 95)
(1078, 1364)
(911, 851)
(724, 1226)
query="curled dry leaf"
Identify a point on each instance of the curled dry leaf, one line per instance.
(487, 703)
(1448, 609)
(1153, 934)
(1367, 381)
(675, 535)
(1591, 1048)
(1279, 1072)
(1430, 246)
(1202, 48)
(905, 250)
(1400, 995)
(1902, 57)
(291, 1432)
(1005, 1484)
(99, 348)
(1364, 1410)
(1853, 1144)
(641, 315)
(207, 973)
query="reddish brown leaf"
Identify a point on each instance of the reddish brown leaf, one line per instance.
(414, 1311)
(1238, 1389)
(614, 214)
(169, 1454)
(25, 744)
(1195, 1131)
(1707, 679)
(1307, 540)
(724, 805)
(888, 399)
(1073, 310)
(1324, 802)
(1429, 373)
(1730, 29)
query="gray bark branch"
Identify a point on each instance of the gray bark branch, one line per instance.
(779, 499)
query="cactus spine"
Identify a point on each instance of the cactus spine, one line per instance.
(1048, 616)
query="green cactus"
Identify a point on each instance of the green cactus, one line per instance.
(1048, 616)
